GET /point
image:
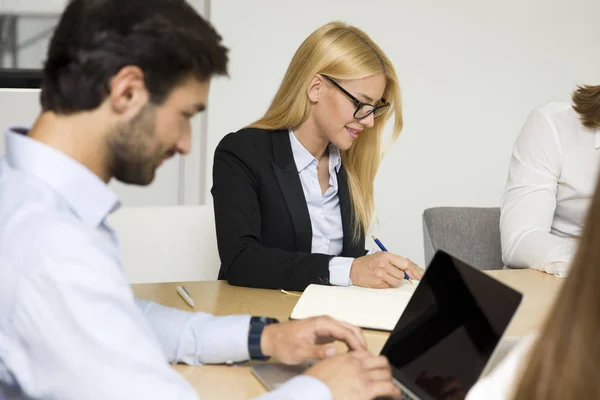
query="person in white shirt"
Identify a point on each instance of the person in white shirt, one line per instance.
(120, 85)
(561, 361)
(551, 178)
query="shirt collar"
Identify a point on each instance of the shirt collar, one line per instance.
(335, 158)
(597, 133)
(303, 158)
(87, 195)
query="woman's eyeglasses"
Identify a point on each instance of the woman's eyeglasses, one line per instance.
(363, 110)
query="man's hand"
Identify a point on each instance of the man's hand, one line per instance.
(356, 375)
(295, 342)
(383, 270)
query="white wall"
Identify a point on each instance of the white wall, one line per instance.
(37, 7)
(470, 70)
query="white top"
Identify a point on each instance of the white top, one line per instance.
(70, 327)
(501, 382)
(324, 209)
(551, 180)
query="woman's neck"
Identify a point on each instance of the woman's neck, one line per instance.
(312, 140)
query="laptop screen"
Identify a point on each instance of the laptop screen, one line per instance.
(449, 329)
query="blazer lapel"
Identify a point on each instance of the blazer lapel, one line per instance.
(288, 179)
(346, 211)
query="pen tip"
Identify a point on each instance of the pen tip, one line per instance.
(373, 237)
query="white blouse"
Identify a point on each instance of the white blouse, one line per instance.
(551, 179)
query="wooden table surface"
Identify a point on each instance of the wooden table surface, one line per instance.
(219, 298)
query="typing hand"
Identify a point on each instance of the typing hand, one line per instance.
(356, 375)
(383, 270)
(295, 342)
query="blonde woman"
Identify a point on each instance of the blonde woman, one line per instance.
(293, 192)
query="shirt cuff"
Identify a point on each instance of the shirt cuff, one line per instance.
(339, 271)
(300, 387)
(215, 340)
(558, 269)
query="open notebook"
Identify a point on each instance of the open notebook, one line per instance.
(367, 308)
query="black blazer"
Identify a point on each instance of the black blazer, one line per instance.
(264, 232)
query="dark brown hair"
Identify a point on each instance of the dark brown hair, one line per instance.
(586, 101)
(563, 362)
(95, 39)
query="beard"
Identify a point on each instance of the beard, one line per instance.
(135, 157)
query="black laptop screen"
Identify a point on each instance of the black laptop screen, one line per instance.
(449, 329)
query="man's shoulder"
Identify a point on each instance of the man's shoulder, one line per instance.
(34, 221)
(42, 241)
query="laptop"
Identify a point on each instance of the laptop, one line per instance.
(449, 331)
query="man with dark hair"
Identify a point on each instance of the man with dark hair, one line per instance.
(121, 82)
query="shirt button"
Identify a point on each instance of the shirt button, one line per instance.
(319, 212)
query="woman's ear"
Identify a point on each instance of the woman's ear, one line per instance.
(314, 89)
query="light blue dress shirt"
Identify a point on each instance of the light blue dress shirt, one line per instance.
(324, 209)
(70, 327)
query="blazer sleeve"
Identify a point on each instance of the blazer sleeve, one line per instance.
(244, 261)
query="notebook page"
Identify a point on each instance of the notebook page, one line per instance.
(364, 307)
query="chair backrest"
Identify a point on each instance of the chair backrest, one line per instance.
(167, 244)
(468, 233)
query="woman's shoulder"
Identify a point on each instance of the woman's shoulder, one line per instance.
(560, 115)
(246, 141)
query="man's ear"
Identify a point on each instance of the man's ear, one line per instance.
(314, 88)
(128, 92)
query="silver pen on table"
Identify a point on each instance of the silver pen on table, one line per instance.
(185, 296)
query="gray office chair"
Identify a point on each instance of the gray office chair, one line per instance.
(468, 233)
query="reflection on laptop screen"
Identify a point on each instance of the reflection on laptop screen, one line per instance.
(449, 329)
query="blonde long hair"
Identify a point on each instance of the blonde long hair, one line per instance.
(343, 52)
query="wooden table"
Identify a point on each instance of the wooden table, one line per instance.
(219, 298)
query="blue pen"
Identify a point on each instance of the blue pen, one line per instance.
(382, 247)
